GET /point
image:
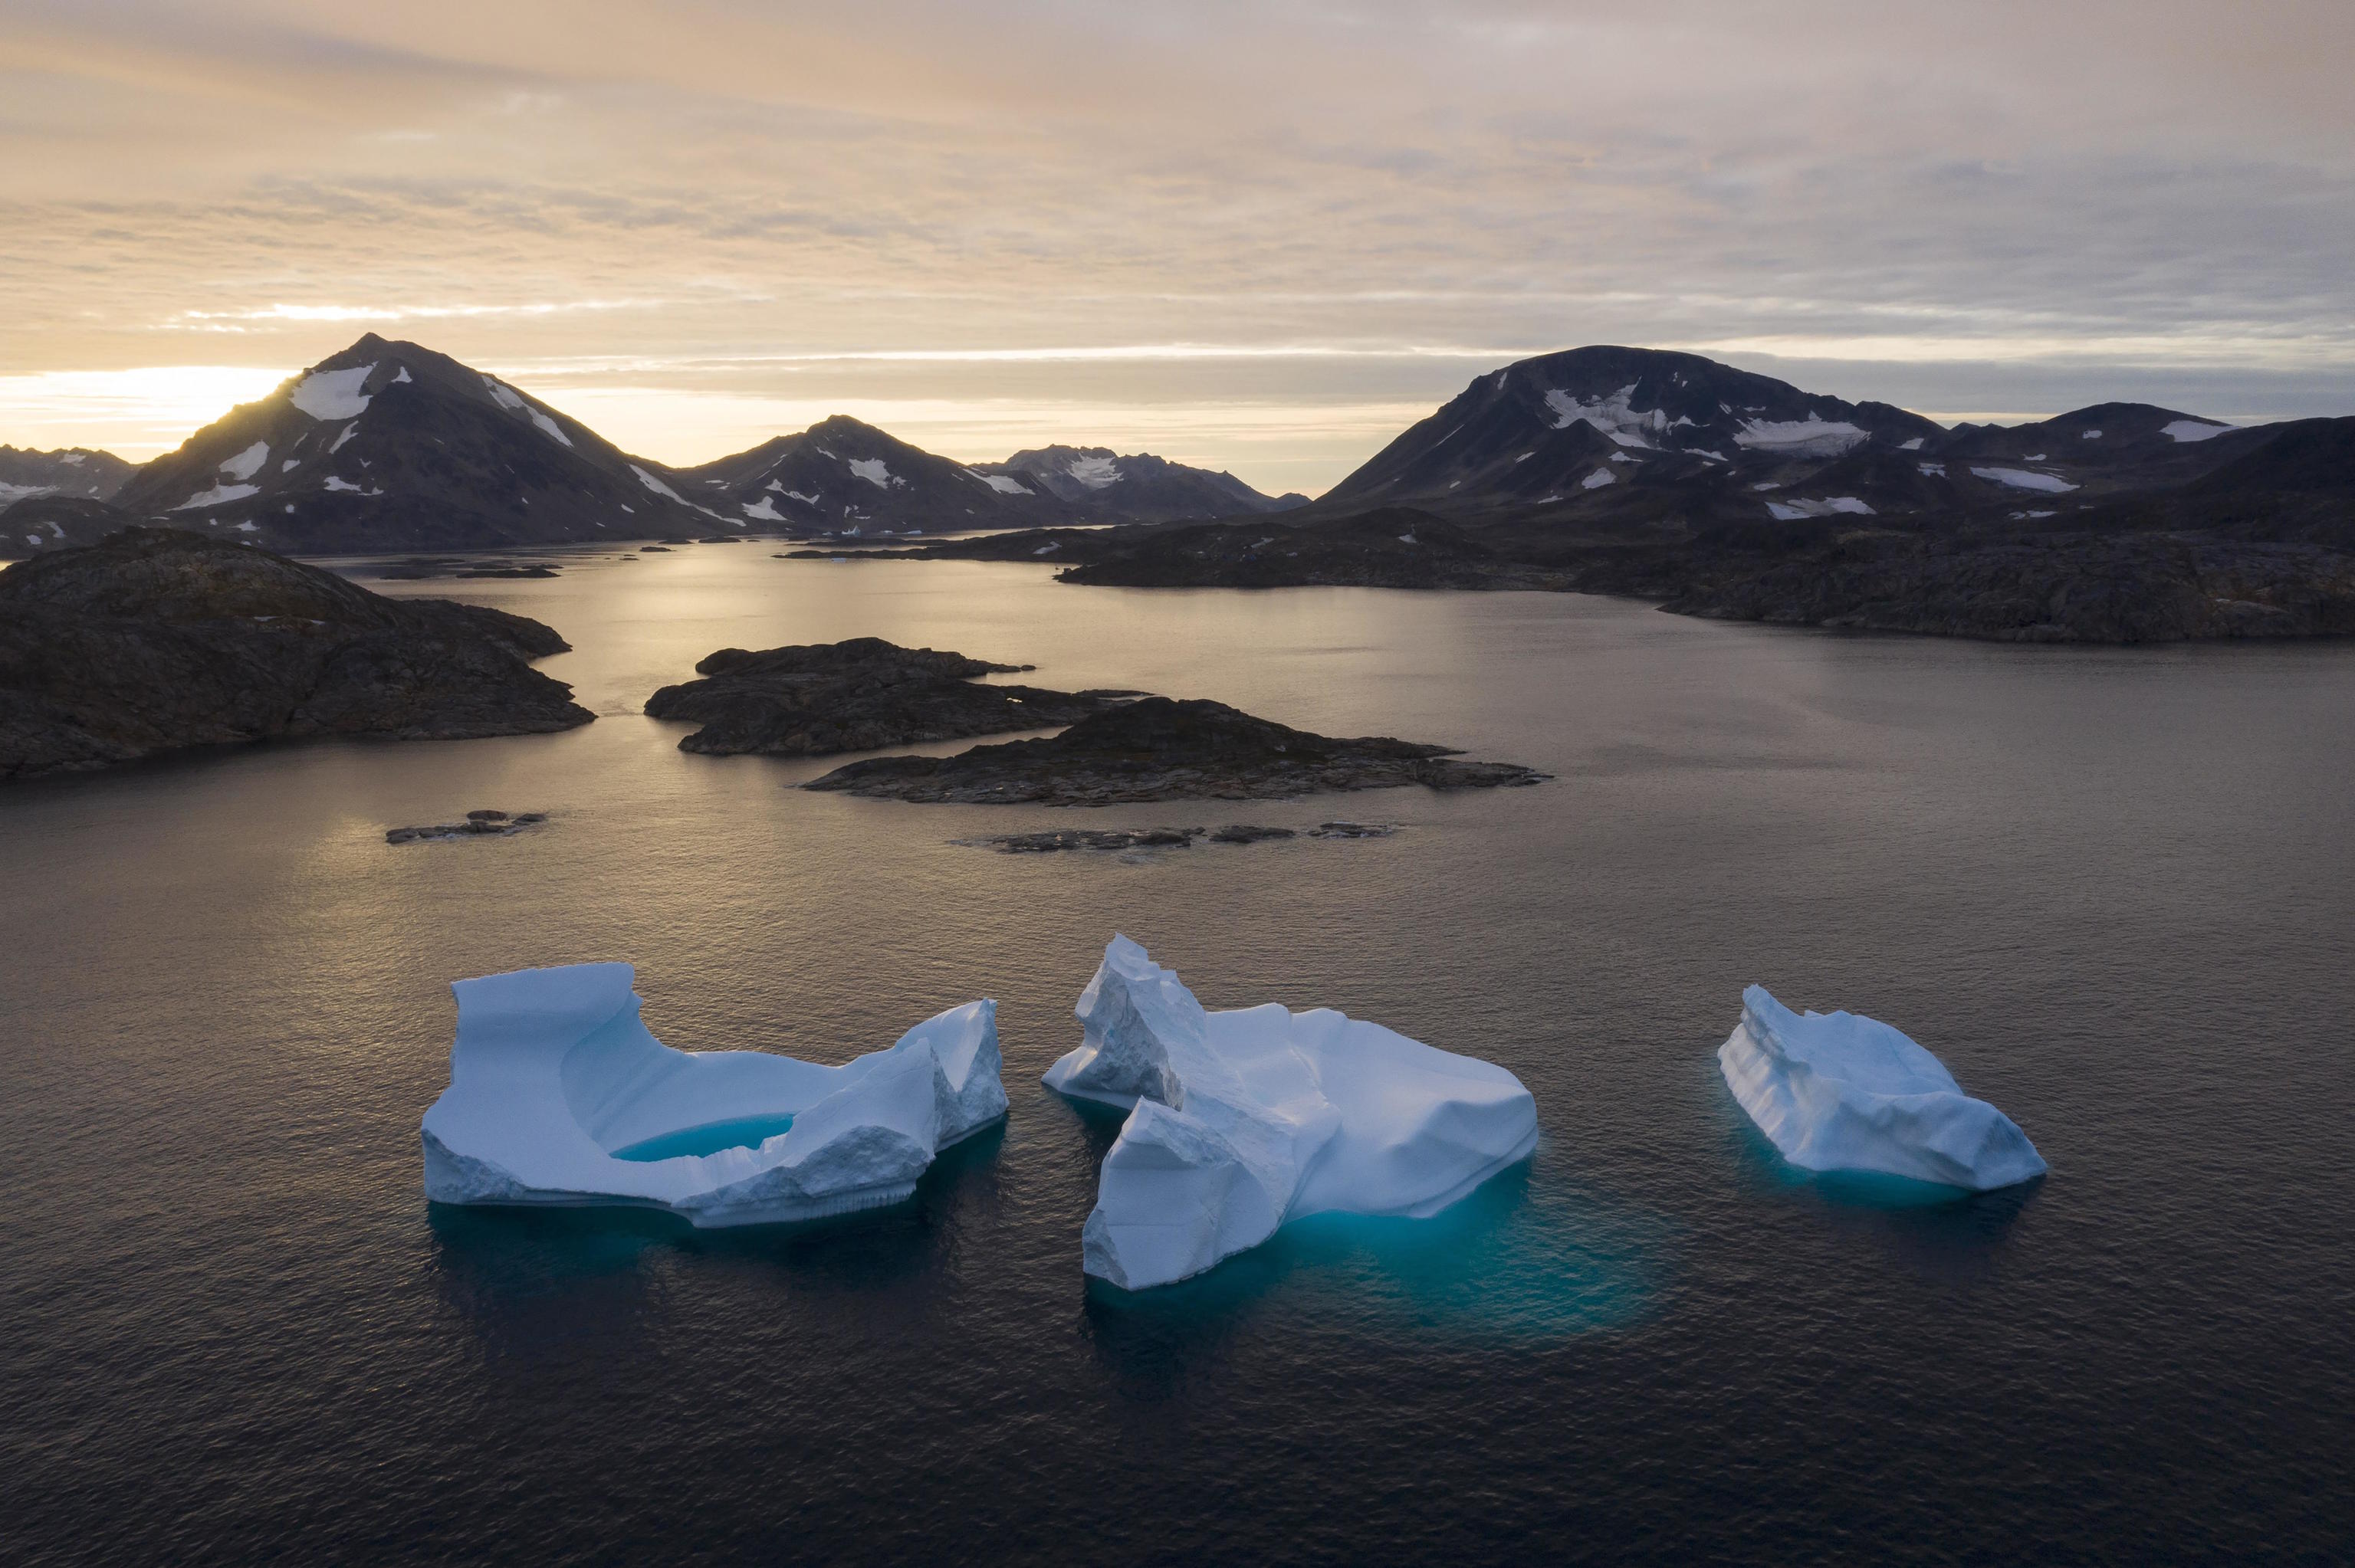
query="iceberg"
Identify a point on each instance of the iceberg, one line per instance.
(1840, 1092)
(1241, 1121)
(559, 1095)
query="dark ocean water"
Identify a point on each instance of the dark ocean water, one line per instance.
(2114, 889)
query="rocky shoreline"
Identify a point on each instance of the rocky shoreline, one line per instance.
(2140, 580)
(1161, 749)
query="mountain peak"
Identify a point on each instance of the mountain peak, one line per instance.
(1525, 434)
(390, 444)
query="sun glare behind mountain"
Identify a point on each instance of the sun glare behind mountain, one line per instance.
(137, 412)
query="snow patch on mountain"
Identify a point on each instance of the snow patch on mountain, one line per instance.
(1790, 510)
(1811, 437)
(1598, 479)
(247, 462)
(766, 511)
(218, 495)
(333, 393)
(874, 472)
(1003, 484)
(1611, 415)
(513, 401)
(656, 486)
(2193, 430)
(2021, 479)
(1095, 472)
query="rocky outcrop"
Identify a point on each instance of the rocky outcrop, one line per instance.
(158, 639)
(1159, 749)
(857, 695)
(2122, 589)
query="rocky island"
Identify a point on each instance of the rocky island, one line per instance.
(857, 696)
(156, 639)
(1160, 749)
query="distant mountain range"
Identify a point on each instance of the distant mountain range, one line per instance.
(1724, 494)
(1138, 488)
(843, 476)
(1612, 438)
(389, 446)
(76, 471)
(1603, 469)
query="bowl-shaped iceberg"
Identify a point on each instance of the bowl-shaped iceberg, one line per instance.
(1838, 1092)
(1241, 1121)
(558, 1095)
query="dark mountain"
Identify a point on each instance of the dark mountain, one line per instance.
(43, 524)
(1098, 482)
(159, 639)
(74, 471)
(1564, 427)
(2300, 458)
(390, 446)
(844, 477)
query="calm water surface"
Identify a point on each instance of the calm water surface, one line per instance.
(2112, 889)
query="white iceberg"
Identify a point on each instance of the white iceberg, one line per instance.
(1243, 1120)
(1840, 1092)
(558, 1095)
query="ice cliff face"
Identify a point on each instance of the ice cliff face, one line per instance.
(559, 1095)
(1839, 1092)
(1243, 1120)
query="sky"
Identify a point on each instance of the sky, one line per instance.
(1262, 236)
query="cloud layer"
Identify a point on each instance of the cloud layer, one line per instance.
(1247, 235)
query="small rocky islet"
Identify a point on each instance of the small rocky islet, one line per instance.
(1161, 748)
(485, 822)
(1115, 746)
(861, 694)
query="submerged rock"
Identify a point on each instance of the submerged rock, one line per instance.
(558, 1095)
(857, 696)
(1241, 1120)
(1841, 1092)
(421, 568)
(158, 639)
(1160, 749)
(1246, 833)
(1087, 838)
